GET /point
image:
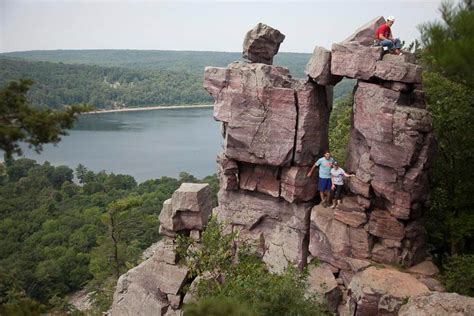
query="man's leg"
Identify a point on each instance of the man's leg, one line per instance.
(397, 44)
(321, 194)
(387, 43)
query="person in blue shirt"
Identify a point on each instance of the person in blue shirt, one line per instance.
(324, 183)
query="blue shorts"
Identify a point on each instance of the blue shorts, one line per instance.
(324, 184)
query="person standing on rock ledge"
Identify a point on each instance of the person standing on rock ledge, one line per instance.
(324, 182)
(337, 181)
(383, 35)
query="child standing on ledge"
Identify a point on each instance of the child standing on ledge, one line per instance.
(337, 181)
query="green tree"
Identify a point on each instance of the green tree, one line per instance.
(448, 81)
(339, 127)
(448, 44)
(22, 122)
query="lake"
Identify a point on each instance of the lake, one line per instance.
(144, 144)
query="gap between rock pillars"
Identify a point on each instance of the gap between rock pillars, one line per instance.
(295, 93)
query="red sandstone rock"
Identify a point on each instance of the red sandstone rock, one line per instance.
(329, 239)
(280, 226)
(354, 219)
(398, 71)
(382, 224)
(360, 243)
(262, 43)
(143, 290)
(374, 107)
(319, 67)
(377, 291)
(259, 107)
(189, 208)
(438, 304)
(384, 254)
(364, 35)
(323, 284)
(314, 103)
(296, 186)
(260, 178)
(353, 60)
(427, 268)
(351, 204)
(227, 172)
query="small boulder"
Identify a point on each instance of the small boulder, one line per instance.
(188, 209)
(427, 268)
(323, 285)
(262, 43)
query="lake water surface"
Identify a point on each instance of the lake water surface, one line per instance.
(144, 144)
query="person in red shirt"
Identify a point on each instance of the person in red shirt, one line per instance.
(384, 37)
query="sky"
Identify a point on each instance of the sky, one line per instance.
(195, 25)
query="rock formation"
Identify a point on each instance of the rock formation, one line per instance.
(274, 128)
(262, 43)
(155, 287)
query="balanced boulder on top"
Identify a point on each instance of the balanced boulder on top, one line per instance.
(262, 43)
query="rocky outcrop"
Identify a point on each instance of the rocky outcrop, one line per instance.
(381, 291)
(155, 287)
(277, 228)
(276, 127)
(438, 304)
(262, 43)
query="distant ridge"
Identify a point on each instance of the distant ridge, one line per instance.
(187, 61)
(127, 78)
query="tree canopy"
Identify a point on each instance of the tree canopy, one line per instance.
(22, 122)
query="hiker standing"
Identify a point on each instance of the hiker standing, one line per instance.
(324, 183)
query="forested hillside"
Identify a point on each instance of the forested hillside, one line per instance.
(56, 233)
(59, 84)
(192, 62)
(126, 78)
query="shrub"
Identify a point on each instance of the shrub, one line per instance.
(458, 275)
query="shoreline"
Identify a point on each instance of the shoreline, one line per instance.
(149, 108)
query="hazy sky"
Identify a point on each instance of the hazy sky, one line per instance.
(194, 25)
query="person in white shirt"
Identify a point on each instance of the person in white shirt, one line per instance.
(337, 181)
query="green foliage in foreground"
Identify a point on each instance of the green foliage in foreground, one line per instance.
(58, 236)
(246, 282)
(451, 216)
(448, 44)
(218, 306)
(448, 81)
(458, 274)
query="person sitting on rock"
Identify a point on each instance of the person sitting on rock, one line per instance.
(337, 181)
(384, 37)
(324, 183)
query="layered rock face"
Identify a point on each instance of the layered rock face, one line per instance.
(155, 287)
(275, 127)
